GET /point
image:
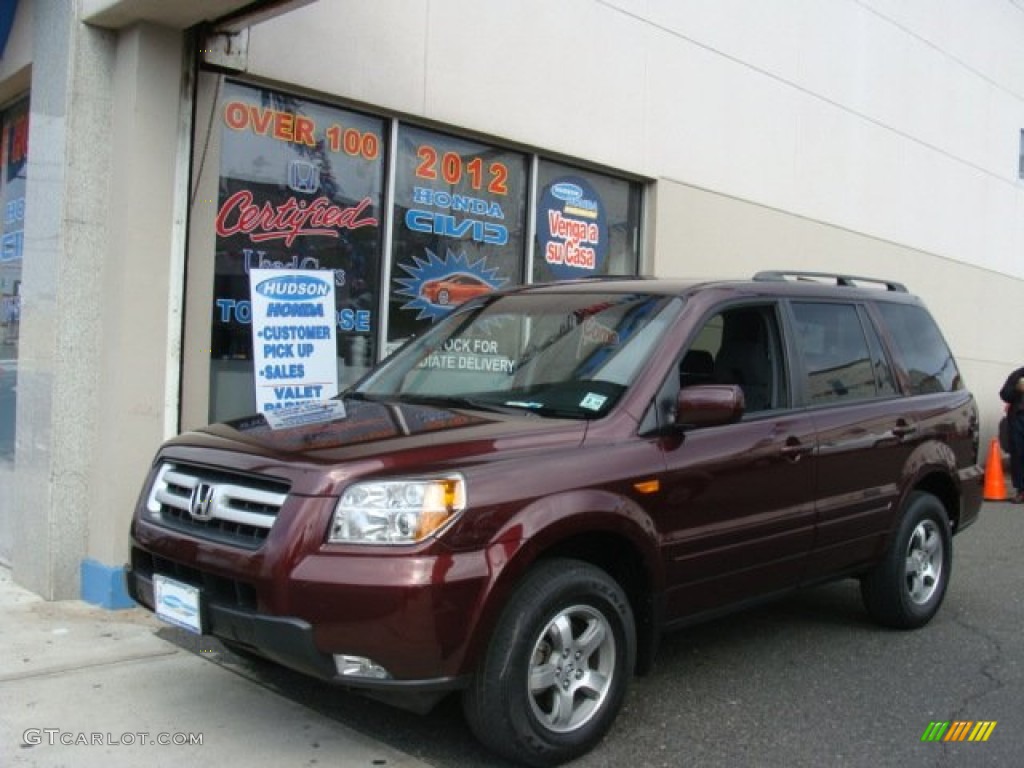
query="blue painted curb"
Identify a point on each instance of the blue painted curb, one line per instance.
(103, 585)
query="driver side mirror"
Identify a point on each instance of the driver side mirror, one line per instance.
(709, 405)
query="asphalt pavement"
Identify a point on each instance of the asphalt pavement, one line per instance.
(807, 681)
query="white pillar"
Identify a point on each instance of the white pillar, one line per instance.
(100, 280)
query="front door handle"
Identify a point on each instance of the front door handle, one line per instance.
(793, 449)
(903, 429)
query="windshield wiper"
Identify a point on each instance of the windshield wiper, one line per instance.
(561, 413)
(456, 401)
(367, 397)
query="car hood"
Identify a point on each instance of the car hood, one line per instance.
(384, 436)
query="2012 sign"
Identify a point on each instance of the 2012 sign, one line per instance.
(452, 168)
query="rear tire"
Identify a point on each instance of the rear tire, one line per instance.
(556, 671)
(906, 588)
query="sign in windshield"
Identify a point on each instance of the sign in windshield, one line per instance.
(555, 354)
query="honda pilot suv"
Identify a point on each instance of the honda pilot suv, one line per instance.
(516, 504)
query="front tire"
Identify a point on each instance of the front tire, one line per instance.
(906, 588)
(557, 668)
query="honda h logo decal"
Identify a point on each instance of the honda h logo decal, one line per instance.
(303, 176)
(201, 505)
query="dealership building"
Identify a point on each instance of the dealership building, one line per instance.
(161, 159)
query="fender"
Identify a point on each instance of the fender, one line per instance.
(555, 524)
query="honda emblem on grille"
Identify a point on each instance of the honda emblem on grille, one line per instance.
(201, 505)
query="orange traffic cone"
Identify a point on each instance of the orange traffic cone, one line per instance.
(995, 485)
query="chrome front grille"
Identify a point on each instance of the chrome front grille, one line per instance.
(232, 509)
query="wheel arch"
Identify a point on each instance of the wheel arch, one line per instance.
(939, 484)
(621, 560)
(932, 468)
(607, 531)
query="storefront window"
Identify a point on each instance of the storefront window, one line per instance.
(301, 188)
(587, 224)
(14, 161)
(314, 197)
(459, 226)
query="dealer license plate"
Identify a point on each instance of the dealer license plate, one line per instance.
(177, 603)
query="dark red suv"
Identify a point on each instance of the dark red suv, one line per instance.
(517, 503)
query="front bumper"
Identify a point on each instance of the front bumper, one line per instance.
(418, 629)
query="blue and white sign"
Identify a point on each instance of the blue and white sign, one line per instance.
(572, 228)
(294, 344)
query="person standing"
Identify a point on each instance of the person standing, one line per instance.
(1012, 393)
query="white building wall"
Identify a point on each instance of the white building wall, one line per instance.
(899, 120)
(866, 136)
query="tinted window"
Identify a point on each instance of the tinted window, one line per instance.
(922, 351)
(838, 364)
(885, 381)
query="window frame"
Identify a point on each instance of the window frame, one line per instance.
(200, 404)
(894, 349)
(782, 370)
(877, 348)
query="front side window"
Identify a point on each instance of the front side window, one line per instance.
(558, 354)
(740, 346)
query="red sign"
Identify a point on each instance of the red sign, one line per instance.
(290, 219)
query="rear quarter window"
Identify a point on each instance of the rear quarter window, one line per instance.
(921, 350)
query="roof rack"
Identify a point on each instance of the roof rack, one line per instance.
(847, 281)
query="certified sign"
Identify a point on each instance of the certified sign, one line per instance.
(295, 352)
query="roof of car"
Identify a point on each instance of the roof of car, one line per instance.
(768, 283)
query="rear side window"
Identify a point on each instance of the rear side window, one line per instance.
(922, 351)
(838, 362)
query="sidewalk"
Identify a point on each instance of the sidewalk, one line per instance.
(84, 686)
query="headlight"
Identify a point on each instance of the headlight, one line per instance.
(397, 511)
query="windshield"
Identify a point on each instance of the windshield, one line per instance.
(555, 354)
